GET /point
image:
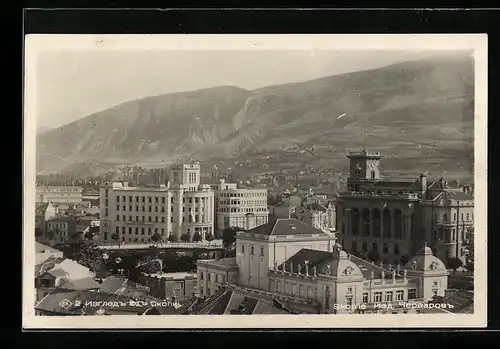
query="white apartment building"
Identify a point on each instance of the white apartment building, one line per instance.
(243, 208)
(59, 194)
(182, 206)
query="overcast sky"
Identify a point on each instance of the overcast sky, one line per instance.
(72, 85)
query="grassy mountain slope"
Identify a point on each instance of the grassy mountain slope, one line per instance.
(420, 110)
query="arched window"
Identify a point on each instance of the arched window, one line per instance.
(445, 217)
(467, 216)
(462, 216)
(373, 174)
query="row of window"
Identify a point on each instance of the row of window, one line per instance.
(246, 202)
(160, 219)
(150, 199)
(293, 289)
(389, 296)
(246, 209)
(157, 209)
(252, 250)
(214, 277)
(142, 230)
(242, 195)
(445, 217)
(52, 225)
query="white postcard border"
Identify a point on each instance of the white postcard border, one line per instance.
(431, 42)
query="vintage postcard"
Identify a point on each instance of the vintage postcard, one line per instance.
(307, 181)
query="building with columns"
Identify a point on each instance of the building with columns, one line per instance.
(292, 262)
(182, 206)
(388, 220)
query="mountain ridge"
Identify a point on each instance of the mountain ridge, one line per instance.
(218, 122)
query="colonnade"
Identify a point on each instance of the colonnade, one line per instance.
(378, 223)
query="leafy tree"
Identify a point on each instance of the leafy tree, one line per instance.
(38, 232)
(374, 256)
(185, 237)
(196, 237)
(272, 199)
(156, 237)
(50, 234)
(209, 237)
(454, 263)
(229, 236)
(172, 238)
(89, 235)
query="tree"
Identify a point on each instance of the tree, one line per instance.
(115, 237)
(272, 199)
(373, 256)
(156, 237)
(228, 237)
(209, 237)
(454, 263)
(38, 232)
(172, 238)
(185, 237)
(89, 235)
(50, 234)
(196, 237)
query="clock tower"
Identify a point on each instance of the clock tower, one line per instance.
(364, 167)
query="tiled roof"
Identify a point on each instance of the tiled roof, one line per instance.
(312, 257)
(397, 184)
(119, 285)
(57, 272)
(317, 258)
(284, 226)
(234, 301)
(47, 265)
(81, 284)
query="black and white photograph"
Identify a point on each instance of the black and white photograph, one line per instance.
(278, 176)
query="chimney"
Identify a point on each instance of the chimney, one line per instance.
(423, 183)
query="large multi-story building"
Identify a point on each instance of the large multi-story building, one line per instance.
(296, 263)
(180, 207)
(243, 208)
(59, 194)
(388, 220)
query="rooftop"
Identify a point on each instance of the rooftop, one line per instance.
(230, 300)
(41, 248)
(316, 258)
(284, 227)
(176, 275)
(114, 284)
(225, 262)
